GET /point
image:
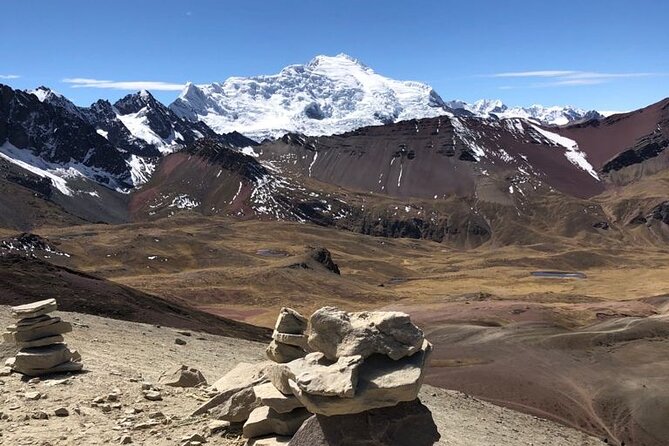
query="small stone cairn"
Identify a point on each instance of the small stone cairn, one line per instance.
(338, 378)
(39, 337)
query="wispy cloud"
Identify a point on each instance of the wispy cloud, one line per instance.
(540, 73)
(9, 76)
(567, 78)
(82, 82)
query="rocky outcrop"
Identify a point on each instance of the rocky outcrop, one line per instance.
(39, 338)
(360, 382)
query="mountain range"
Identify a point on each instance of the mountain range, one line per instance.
(342, 146)
(331, 95)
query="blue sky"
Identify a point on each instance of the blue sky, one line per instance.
(609, 55)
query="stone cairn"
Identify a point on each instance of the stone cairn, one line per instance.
(338, 378)
(39, 337)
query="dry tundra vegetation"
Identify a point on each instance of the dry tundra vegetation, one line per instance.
(590, 353)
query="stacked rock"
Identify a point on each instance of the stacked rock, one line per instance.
(39, 338)
(289, 341)
(358, 387)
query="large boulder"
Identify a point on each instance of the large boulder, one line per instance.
(406, 424)
(266, 421)
(337, 333)
(382, 382)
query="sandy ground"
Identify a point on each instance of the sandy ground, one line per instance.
(119, 356)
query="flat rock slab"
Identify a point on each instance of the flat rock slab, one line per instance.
(290, 321)
(244, 375)
(270, 396)
(266, 421)
(42, 357)
(58, 328)
(316, 375)
(337, 333)
(34, 309)
(406, 424)
(236, 398)
(298, 340)
(283, 353)
(41, 322)
(382, 382)
(41, 342)
(183, 376)
(237, 407)
(66, 367)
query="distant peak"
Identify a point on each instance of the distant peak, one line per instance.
(43, 93)
(190, 90)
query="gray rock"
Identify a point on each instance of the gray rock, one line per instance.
(41, 342)
(266, 421)
(41, 321)
(298, 340)
(337, 333)
(153, 395)
(283, 353)
(382, 382)
(34, 309)
(62, 412)
(57, 328)
(183, 376)
(290, 322)
(243, 377)
(42, 357)
(270, 396)
(316, 375)
(65, 367)
(237, 407)
(406, 424)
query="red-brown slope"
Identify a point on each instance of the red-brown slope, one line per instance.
(603, 140)
(25, 279)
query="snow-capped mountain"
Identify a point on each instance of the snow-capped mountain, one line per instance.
(139, 127)
(327, 95)
(556, 115)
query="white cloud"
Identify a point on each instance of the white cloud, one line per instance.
(568, 78)
(81, 82)
(9, 76)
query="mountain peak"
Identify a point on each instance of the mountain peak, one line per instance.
(44, 93)
(329, 94)
(340, 60)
